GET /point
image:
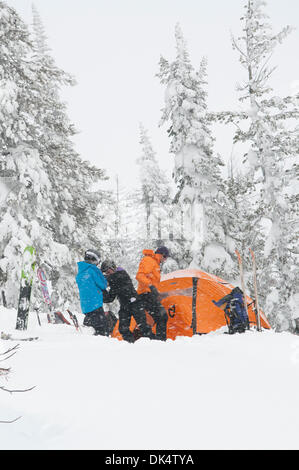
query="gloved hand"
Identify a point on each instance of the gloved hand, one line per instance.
(154, 291)
(105, 296)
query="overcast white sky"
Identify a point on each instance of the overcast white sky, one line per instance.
(112, 47)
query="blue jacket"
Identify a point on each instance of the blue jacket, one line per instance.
(91, 282)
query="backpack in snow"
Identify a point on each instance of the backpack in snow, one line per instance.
(234, 311)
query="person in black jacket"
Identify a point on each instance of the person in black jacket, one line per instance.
(121, 287)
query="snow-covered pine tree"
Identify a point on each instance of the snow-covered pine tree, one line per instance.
(121, 235)
(238, 219)
(158, 212)
(273, 144)
(155, 189)
(197, 171)
(18, 156)
(80, 204)
(51, 207)
(40, 37)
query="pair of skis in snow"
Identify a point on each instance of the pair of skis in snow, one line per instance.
(44, 287)
(54, 316)
(27, 274)
(256, 303)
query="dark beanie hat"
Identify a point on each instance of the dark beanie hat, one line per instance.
(162, 250)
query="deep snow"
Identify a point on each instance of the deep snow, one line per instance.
(207, 392)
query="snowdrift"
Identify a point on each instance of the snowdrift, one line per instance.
(187, 296)
(89, 390)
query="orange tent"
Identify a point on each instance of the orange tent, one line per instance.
(187, 297)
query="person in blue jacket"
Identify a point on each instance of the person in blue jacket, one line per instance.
(91, 283)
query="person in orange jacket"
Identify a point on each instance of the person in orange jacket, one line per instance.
(148, 277)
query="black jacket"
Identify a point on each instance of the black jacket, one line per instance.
(121, 287)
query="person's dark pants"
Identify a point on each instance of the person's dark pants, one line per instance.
(97, 320)
(125, 313)
(152, 305)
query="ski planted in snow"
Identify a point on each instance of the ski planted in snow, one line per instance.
(44, 286)
(256, 302)
(37, 315)
(240, 261)
(27, 273)
(60, 318)
(74, 320)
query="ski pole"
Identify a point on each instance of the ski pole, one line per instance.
(256, 302)
(38, 319)
(242, 280)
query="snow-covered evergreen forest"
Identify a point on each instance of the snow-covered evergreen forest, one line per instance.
(54, 199)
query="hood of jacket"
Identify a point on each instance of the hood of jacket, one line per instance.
(156, 256)
(83, 266)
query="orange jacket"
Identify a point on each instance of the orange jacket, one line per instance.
(148, 272)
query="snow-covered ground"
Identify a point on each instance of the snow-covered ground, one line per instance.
(207, 392)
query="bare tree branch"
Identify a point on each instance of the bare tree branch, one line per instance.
(11, 421)
(5, 359)
(17, 391)
(4, 371)
(9, 350)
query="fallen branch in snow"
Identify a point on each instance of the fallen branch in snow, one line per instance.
(11, 421)
(9, 350)
(17, 391)
(4, 371)
(14, 349)
(5, 359)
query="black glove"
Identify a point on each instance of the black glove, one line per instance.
(154, 291)
(106, 297)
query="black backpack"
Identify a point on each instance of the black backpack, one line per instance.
(234, 310)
